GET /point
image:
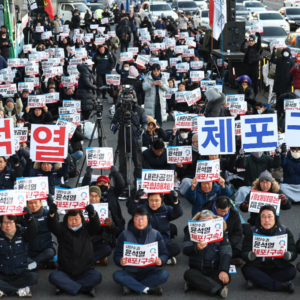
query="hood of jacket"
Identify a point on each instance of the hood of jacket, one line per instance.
(218, 99)
(151, 120)
(274, 187)
(37, 165)
(288, 50)
(83, 68)
(289, 155)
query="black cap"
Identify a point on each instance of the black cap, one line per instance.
(25, 91)
(251, 38)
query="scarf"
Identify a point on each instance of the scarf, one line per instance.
(38, 214)
(10, 235)
(195, 148)
(156, 78)
(75, 228)
(215, 212)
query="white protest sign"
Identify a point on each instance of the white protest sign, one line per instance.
(259, 199)
(140, 255)
(34, 80)
(155, 47)
(102, 211)
(192, 97)
(256, 28)
(269, 246)
(175, 60)
(238, 130)
(184, 120)
(25, 85)
(170, 92)
(66, 110)
(73, 104)
(188, 53)
(179, 154)
(113, 79)
(196, 65)
(238, 107)
(139, 186)
(125, 56)
(72, 199)
(292, 128)
(232, 269)
(208, 170)
(8, 90)
(179, 96)
(157, 181)
(12, 202)
(7, 143)
(35, 101)
(209, 231)
(277, 43)
(37, 188)
(73, 118)
(39, 28)
(111, 34)
(133, 50)
(52, 98)
(27, 48)
(291, 104)
(182, 67)
(259, 132)
(236, 97)
(70, 126)
(142, 60)
(196, 76)
(99, 157)
(205, 83)
(48, 143)
(195, 124)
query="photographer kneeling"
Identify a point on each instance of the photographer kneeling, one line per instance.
(129, 112)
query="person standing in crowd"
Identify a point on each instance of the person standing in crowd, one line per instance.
(5, 45)
(182, 21)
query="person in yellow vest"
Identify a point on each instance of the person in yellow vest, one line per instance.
(99, 12)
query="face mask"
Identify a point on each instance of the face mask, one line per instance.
(146, 49)
(75, 228)
(295, 155)
(20, 125)
(259, 111)
(194, 148)
(172, 49)
(286, 54)
(183, 135)
(103, 188)
(126, 69)
(4, 36)
(257, 154)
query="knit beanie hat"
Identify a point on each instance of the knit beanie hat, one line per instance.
(195, 137)
(133, 72)
(9, 100)
(95, 189)
(266, 175)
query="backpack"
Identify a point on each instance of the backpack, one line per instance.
(124, 33)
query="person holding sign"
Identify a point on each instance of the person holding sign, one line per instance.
(209, 262)
(76, 271)
(160, 216)
(9, 175)
(135, 276)
(12, 109)
(215, 104)
(39, 115)
(199, 193)
(265, 183)
(263, 270)
(14, 276)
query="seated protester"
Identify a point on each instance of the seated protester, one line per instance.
(24, 99)
(142, 280)
(181, 107)
(209, 263)
(156, 157)
(222, 207)
(8, 175)
(12, 110)
(290, 163)
(39, 115)
(14, 278)
(199, 193)
(105, 238)
(40, 249)
(181, 139)
(273, 274)
(75, 257)
(160, 215)
(254, 164)
(215, 104)
(53, 172)
(153, 133)
(76, 140)
(263, 108)
(109, 194)
(124, 72)
(197, 108)
(265, 183)
(245, 88)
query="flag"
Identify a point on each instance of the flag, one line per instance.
(49, 8)
(211, 12)
(7, 22)
(220, 17)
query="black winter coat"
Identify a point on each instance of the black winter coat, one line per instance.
(152, 161)
(76, 21)
(172, 29)
(8, 176)
(44, 118)
(234, 225)
(76, 139)
(75, 248)
(283, 80)
(27, 31)
(104, 63)
(5, 48)
(252, 53)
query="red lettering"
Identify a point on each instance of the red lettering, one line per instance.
(61, 133)
(6, 129)
(48, 137)
(56, 155)
(7, 145)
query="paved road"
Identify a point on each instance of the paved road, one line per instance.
(173, 289)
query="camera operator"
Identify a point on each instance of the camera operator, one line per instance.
(86, 88)
(129, 112)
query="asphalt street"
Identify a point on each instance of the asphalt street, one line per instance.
(173, 288)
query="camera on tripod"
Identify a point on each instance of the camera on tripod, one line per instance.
(127, 98)
(98, 106)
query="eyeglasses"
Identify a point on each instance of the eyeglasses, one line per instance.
(154, 201)
(267, 217)
(244, 81)
(140, 218)
(94, 196)
(8, 222)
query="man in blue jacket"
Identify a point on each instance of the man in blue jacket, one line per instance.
(199, 193)
(3, 63)
(160, 215)
(160, 24)
(142, 280)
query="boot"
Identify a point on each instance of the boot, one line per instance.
(288, 287)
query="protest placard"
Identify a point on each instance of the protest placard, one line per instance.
(237, 126)
(179, 97)
(142, 60)
(66, 110)
(259, 199)
(184, 120)
(196, 65)
(72, 199)
(99, 157)
(170, 92)
(35, 101)
(27, 48)
(51, 98)
(182, 67)
(188, 53)
(12, 202)
(139, 186)
(175, 60)
(209, 231)
(237, 97)
(34, 80)
(113, 79)
(208, 170)
(238, 107)
(73, 104)
(7, 143)
(192, 96)
(277, 43)
(126, 56)
(179, 154)
(133, 50)
(21, 133)
(292, 128)
(196, 76)
(291, 104)
(25, 85)
(73, 118)
(70, 126)
(37, 188)
(157, 181)
(256, 28)
(205, 83)
(269, 246)
(8, 90)
(102, 211)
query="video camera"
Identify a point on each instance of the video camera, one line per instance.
(98, 106)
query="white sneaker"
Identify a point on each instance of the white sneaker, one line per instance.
(24, 292)
(172, 261)
(2, 294)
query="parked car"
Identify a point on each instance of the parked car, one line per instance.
(270, 33)
(201, 4)
(254, 6)
(271, 17)
(243, 12)
(204, 18)
(292, 16)
(156, 9)
(186, 6)
(294, 3)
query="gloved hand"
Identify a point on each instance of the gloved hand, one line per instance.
(139, 194)
(89, 170)
(283, 148)
(90, 210)
(28, 214)
(277, 151)
(29, 162)
(297, 65)
(66, 162)
(52, 209)
(142, 76)
(287, 256)
(244, 41)
(50, 200)
(174, 196)
(257, 34)
(242, 153)
(251, 256)
(15, 158)
(113, 128)
(138, 133)
(17, 95)
(113, 169)
(190, 81)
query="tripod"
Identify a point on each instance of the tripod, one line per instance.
(98, 107)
